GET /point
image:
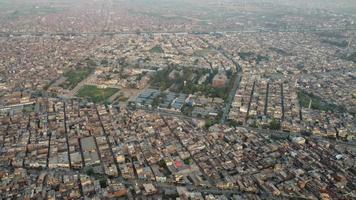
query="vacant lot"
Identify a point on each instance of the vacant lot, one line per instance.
(96, 94)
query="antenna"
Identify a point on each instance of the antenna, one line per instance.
(350, 42)
(349, 34)
(310, 102)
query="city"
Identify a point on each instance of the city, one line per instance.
(191, 99)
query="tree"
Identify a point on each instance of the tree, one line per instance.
(188, 161)
(233, 123)
(306, 133)
(103, 182)
(156, 102)
(162, 163)
(209, 123)
(89, 171)
(220, 92)
(91, 63)
(196, 61)
(104, 62)
(229, 73)
(275, 124)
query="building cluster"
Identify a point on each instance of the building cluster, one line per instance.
(70, 149)
(269, 89)
(273, 67)
(178, 103)
(22, 183)
(34, 63)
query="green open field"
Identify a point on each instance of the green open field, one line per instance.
(96, 94)
(75, 76)
(317, 103)
(156, 49)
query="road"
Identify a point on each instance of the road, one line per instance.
(249, 102)
(282, 101)
(266, 99)
(236, 84)
(231, 98)
(105, 33)
(161, 185)
(269, 132)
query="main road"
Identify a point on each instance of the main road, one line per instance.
(237, 80)
(111, 33)
(272, 133)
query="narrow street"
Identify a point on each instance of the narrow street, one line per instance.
(108, 141)
(99, 154)
(49, 148)
(266, 100)
(211, 181)
(81, 152)
(66, 134)
(249, 103)
(282, 101)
